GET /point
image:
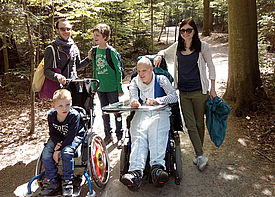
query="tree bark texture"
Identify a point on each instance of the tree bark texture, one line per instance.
(32, 56)
(243, 68)
(5, 54)
(206, 18)
(152, 25)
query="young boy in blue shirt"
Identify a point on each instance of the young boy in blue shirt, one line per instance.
(66, 134)
(110, 79)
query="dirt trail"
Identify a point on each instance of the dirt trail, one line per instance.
(232, 171)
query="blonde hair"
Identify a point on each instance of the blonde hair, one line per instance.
(145, 61)
(62, 94)
(104, 29)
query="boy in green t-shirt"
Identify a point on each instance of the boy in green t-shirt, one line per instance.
(110, 79)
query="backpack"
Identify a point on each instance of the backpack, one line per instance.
(161, 70)
(39, 77)
(110, 61)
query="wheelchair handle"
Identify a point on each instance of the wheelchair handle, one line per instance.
(90, 80)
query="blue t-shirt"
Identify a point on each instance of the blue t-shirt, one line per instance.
(189, 74)
(67, 130)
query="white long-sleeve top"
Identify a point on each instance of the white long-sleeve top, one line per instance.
(147, 91)
(205, 58)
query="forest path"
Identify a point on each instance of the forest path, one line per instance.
(233, 169)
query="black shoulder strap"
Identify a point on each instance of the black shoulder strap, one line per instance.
(109, 58)
(94, 53)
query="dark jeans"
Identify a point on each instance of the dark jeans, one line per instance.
(67, 156)
(107, 98)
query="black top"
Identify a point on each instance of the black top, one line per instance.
(189, 74)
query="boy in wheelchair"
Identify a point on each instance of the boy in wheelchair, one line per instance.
(66, 134)
(149, 129)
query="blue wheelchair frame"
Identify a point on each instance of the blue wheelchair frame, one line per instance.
(90, 139)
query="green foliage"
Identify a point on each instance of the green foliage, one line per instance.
(266, 25)
(219, 10)
(130, 21)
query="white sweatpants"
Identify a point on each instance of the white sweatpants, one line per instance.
(149, 131)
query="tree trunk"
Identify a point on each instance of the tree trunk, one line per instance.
(206, 28)
(243, 68)
(211, 20)
(53, 29)
(167, 37)
(152, 25)
(176, 29)
(163, 26)
(32, 56)
(5, 54)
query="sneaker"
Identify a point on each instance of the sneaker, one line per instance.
(132, 180)
(159, 176)
(50, 187)
(195, 160)
(108, 139)
(202, 162)
(67, 187)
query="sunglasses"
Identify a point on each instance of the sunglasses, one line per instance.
(188, 31)
(65, 29)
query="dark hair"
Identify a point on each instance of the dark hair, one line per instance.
(196, 43)
(58, 21)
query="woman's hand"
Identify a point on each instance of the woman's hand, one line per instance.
(135, 104)
(157, 60)
(212, 94)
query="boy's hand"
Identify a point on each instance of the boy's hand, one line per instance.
(57, 146)
(56, 156)
(135, 104)
(151, 101)
(120, 94)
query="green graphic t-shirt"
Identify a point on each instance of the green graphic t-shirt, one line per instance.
(109, 79)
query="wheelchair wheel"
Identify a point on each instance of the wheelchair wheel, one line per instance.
(98, 161)
(39, 169)
(178, 174)
(124, 161)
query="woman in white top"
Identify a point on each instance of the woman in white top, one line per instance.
(191, 56)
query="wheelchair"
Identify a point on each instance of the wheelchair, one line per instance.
(173, 160)
(92, 154)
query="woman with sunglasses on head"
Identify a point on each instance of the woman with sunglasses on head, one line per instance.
(67, 55)
(191, 56)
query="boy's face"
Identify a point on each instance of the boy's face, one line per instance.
(98, 38)
(145, 72)
(62, 107)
